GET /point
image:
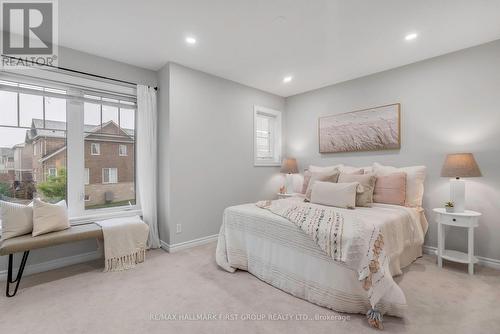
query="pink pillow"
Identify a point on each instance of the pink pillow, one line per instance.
(390, 189)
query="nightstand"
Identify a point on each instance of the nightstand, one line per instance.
(468, 219)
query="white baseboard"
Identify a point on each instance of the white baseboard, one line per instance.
(54, 264)
(485, 261)
(188, 244)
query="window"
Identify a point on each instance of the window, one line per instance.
(111, 123)
(109, 175)
(267, 137)
(52, 171)
(33, 149)
(95, 149)
(54, 129)
(122, 150)
(87, 176)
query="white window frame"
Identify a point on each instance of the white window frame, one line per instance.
(276, 136)
(75, 136)
(120, 153)
(109, 175)
(34, 149)
(87, 176)
(52, 169)
(98, 148)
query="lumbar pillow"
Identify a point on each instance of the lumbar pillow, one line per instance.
(367, 181)
(415, 177)
(17, 219)
(342, 195)
(331, 176)
(49, 217)
(390, 189)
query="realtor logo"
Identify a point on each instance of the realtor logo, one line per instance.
(29, 32)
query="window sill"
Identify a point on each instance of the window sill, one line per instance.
(92, 216)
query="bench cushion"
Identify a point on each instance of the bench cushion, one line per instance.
(28, 242)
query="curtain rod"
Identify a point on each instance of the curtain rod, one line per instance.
(75, 71)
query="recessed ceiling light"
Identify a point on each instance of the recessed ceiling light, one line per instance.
(191, 40)
(411, 36)
(287, 79)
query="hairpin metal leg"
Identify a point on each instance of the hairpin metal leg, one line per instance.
(19, 273)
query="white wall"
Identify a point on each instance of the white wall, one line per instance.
(85, 62)
(449, 104)
(206, 151)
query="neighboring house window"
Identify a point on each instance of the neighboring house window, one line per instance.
(87, 198)
(267, 137)
(122, 150)
(109, 175)
(87, 176)
(95, 149)
(52, 171)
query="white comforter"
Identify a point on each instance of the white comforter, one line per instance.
(278, 252)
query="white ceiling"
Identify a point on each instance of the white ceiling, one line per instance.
(258, 42)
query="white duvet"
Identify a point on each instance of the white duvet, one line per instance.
(279, 253)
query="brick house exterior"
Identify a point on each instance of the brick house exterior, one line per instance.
(110, 168)
(7, 173)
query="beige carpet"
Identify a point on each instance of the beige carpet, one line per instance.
(82, 299)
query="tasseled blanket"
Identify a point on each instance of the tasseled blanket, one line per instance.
(124, 242)
(357, 244)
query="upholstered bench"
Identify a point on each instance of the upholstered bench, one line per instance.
(25, 243)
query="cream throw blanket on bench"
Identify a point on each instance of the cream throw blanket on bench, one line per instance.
(357, 244)
(124, 242)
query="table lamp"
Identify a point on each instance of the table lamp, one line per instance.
(459, 165)
(289, 167)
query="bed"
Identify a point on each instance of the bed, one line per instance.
(278, 252)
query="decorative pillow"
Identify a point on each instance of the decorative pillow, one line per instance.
(17, 219)
(367, 181)
(342, 195)
(321, 169)
(390, 189)
(415, 177)
(351, 170)
(49, 217)
(324, 177)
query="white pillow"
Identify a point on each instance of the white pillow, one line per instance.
(17, 219)
(341, 167)
(49, 217)
(351, 170)
(415, 177)
(327, 169)
(342, 195)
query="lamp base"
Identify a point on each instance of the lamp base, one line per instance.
(457, 194)
(289, 184)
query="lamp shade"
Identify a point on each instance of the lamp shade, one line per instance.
(289, 166)
(460, 165)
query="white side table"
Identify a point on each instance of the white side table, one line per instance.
(468, 219)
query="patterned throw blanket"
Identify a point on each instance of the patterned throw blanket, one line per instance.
(355, 243)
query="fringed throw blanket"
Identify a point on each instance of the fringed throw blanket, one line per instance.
(358, 245)
(124, 242)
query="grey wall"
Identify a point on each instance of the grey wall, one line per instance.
(85, 62)
(449, 104)
(206, 151)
